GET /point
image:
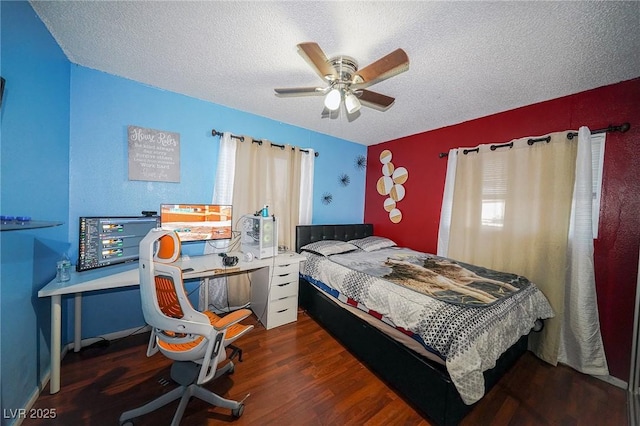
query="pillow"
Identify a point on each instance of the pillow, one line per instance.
(373, 243)
(329, 247)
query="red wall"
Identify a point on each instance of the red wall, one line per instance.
(616, 249)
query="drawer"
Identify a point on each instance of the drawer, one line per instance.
(291, 268)
(284, 278)
(282, 311)
(279, 291)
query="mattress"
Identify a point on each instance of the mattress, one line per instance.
(469, 338)
(380, 322)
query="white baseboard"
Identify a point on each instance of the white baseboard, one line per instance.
(111, 336)
(32, 399)
(613, 381)
(633, 399)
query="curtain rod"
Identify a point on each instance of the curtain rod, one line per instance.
(622, 128)
(214, 132)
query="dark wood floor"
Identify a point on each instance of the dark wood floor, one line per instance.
(298, 374)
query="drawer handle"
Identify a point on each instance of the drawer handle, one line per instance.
(282, 285)
(282, 310)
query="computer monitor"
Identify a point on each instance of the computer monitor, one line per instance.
(197, 222)
(111, 240)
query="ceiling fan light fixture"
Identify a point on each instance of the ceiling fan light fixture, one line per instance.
(351, 102)
(333, 99)
(347, 83)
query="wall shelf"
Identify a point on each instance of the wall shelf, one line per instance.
(32, 224)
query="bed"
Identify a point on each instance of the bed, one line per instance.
(416, 362)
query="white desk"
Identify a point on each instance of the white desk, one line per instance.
(118, 276)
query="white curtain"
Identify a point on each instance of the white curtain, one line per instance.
(447, 204)
(581, 344)
(248, 176)
(513, 209)
(223, 186)
(215, 289)
(306, 188)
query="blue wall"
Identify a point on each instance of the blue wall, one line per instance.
(103, 105)
(35, 182)
(64, 155)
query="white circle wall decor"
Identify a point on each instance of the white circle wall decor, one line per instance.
(388, 168)
(385, 156)
(397, 193)
(391, 183)
(400, 175)
(389, 204)
(395, 216)
(385, 183)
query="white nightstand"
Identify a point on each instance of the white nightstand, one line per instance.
(274, 290)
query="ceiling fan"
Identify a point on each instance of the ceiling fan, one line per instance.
(347, 83)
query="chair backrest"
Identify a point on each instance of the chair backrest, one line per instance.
(179, 331)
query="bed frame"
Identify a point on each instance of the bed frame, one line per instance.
(423, 383)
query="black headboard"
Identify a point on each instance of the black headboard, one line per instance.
(306, 234)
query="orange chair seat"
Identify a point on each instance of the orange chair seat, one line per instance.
(232, 331)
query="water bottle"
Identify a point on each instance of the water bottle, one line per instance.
(63, 269)
(265, 211)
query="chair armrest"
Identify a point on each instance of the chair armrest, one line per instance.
(231, 319)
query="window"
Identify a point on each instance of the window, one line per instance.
(494, 187)
(494, 190)
(597, 161)
(493, 213)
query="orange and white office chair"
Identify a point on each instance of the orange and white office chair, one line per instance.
(196, 341)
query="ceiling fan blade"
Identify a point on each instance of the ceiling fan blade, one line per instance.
(318, 60)
(375, 100)
(394, 63)
(300, 91)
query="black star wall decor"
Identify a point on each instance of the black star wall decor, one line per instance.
(327, 198)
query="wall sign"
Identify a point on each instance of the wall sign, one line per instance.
(154, 155)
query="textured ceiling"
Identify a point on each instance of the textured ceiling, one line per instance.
(467, 59)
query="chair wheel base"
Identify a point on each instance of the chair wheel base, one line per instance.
(235, 351)
(237, 412)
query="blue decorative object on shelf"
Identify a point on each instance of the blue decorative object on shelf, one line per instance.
(7, 219)
(22, 220)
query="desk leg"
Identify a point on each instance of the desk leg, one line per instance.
(206, 295)
(56, 324)
(203, 304)
(77, 328)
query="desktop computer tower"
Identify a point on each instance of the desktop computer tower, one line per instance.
(259, 236)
